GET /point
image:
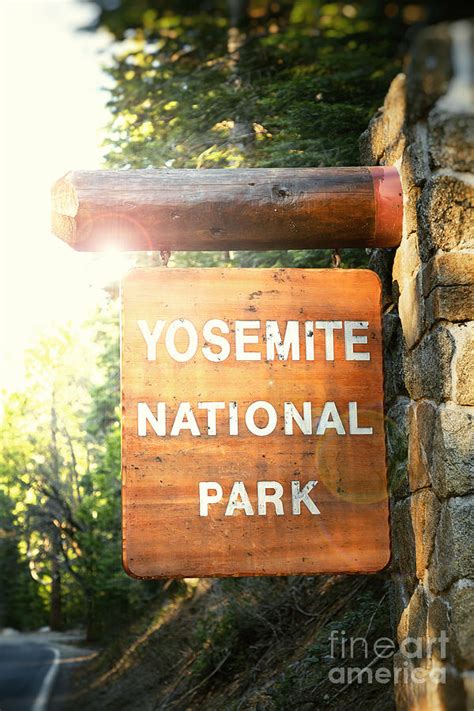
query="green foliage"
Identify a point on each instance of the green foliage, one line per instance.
(60, 486)
(308, 258)
(105, 395)
(119, 16)
(21, 605)
(295, 88)
(288, 96)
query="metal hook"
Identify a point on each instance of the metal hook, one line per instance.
(335, 259)
(165, 255)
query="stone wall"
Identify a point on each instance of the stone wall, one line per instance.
(426, 129)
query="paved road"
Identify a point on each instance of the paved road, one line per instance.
(23, 668)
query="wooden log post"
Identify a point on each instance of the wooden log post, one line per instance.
(255, 209)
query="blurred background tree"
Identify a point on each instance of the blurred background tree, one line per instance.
(60, 535)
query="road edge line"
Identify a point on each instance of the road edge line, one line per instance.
(42, 699)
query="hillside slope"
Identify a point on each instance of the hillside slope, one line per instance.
(259, 643)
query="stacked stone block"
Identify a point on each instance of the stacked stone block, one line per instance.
(426, 129)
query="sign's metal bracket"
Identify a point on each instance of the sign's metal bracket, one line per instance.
(165, 255)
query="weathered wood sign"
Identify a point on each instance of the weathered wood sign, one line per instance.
(253, 431)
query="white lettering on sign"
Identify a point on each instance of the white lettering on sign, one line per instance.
(354, 424)
(239, 500)
(206, 497)
(329, 327)
(215, 340)
(185, 325)
(302, 497)
(211, 408)
(233, 418)
(330, 420)
(291, 414)
(250, 418)
(242, 339)
(309, 339)
(264, 498)
(186, 419)
(211, 493)
(253, 340)
(145, 416)
(151, 337)
(282, 346)
(350, 340)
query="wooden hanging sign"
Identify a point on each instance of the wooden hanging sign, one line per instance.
(253, 427)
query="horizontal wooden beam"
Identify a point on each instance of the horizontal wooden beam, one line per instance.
(255, 209)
